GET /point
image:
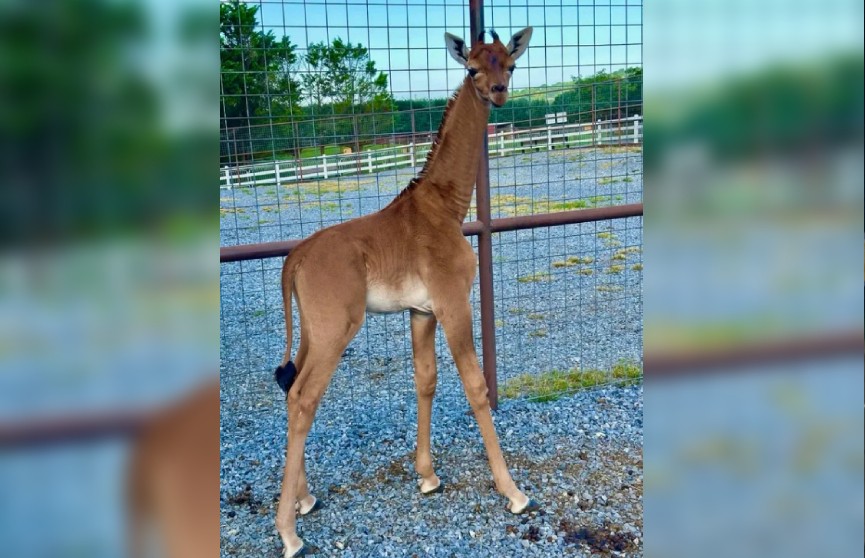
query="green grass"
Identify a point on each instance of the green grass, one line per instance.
(536, 317)
(308, 152)
(585, 271)
(538, 333)
(516, 310)
(609, 288)
(319, 187)
(500, 323)
(613, 179)
(614, 269)
(328, 206)
(601, 200)
(377, 146)
(637, 267)
(568, 205)
(553, 384)
(573, 260)
(535, 277)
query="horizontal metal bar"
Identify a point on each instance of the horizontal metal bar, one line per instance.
(283, 247)
(661, 365)
(566, 217)
(114, 423)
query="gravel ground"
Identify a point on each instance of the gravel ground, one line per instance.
(579, 456)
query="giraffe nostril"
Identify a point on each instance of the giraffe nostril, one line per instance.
(499, 88)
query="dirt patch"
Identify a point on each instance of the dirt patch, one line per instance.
(603, 540)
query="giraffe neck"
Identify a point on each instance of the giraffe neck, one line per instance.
(446, 183)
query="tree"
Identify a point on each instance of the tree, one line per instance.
(256, 69)
(344, 75)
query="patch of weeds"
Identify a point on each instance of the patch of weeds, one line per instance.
(264, 221)
(257, 313)
(573, 260)
(618, 198)
(605, 235)
(637, 267)
(567, 205)
(609, 288)
(585, 271)
(319, 187)
(627, 370)
(626, 179)
(614, 269)
(499, 259)
(621, 149)
(623, 253)
(231, 210)
(535, 277)
(324, 206)
(516, 310)
(538, 333)
(536, 317)
(600, 200)
(553, 384)
(500, 323)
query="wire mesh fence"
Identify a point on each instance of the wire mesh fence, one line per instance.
(299, 153)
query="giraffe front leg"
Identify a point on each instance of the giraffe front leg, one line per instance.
(423, 328)
(457, 324)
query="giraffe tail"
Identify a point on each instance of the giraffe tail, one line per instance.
(286, 372)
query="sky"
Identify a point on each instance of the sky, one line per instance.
(406, 39)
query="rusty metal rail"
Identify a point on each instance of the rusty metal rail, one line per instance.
(473, 228)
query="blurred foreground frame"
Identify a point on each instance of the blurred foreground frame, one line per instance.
(109, 303)
(753, 314)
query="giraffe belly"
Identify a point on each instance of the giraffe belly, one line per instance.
(385, 299)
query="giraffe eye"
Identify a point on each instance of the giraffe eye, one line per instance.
(473, 72)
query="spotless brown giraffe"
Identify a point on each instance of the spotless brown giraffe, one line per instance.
(411, 256)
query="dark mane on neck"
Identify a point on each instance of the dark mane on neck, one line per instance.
(433, 150)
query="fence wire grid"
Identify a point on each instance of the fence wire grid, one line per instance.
(568, 302)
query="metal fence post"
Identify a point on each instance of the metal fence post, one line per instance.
(278, 177)
(485, 243)
(324, 163)
(636, 128)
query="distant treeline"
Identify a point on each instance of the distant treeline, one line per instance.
(603, 96)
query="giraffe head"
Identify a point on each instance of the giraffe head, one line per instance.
(490, 65)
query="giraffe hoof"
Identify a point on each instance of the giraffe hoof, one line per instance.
(531, 506)
(315, 507)
(437, 490)
(297, 553)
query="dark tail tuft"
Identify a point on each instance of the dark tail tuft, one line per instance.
(285, 376)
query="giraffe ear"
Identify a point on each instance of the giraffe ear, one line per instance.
(457, 48)
(519, 42)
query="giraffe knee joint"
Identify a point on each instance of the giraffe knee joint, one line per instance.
(478, 397)
(426, 389)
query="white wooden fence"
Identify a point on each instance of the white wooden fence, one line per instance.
(609, 132)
